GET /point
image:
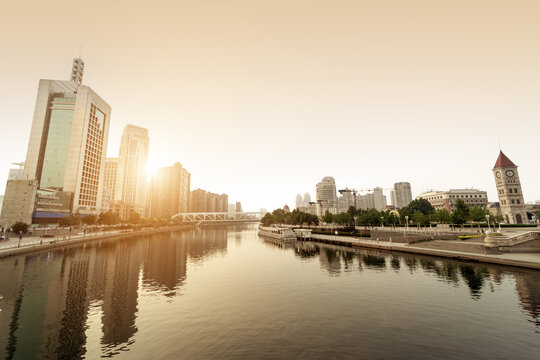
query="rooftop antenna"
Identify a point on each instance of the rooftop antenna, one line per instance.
(500, 148)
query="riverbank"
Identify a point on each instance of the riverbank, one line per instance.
(35, 245)
(458, 250)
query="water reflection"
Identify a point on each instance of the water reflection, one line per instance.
(49, 301)
(46, 298)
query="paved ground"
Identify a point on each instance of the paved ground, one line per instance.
(465, 250)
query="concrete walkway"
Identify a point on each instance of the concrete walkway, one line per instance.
(528, 260)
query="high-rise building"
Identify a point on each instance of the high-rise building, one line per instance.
(111, 169)
(401, 195)
(16, 173)
(299, 201)
(379, 200)
(326, 191)
(68, 143)
(307, 199)
(239, 207)
(170, 191)
(509, 190)
(131, 182)
(19, 200)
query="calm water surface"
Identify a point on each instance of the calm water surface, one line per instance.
(226, 293)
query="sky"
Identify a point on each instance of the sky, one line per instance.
(261, 99)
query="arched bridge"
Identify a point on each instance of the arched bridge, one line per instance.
(217, 217)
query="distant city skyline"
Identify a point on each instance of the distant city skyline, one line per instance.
(263, 112)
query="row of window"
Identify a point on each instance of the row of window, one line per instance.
(513, 201)
(510, 191)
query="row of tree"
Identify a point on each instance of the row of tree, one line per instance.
(418, 212)
(296, 217)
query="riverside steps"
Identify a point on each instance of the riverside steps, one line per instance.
(35, 244)
(472, 250)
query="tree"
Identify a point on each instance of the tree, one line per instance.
(134, 218)
(328, 217)
(89, 219)
(421, 205)
(478, 213)
(268, 219)
(419, 218)
(442, 216)
(462, 212)
(70, 220)
(20, 226)
(109, 218)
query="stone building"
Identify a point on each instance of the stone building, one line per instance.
(509, 190)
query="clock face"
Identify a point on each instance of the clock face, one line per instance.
(509, 173)
(498, 174)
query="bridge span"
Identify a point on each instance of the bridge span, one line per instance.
(219, 217)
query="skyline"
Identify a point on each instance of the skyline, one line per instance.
(297, 95)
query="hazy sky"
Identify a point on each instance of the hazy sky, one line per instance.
(261, 99)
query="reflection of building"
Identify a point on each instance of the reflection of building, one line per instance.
(68, 142)
(528, 289)
(509, 190)
(447, 199)
(170, 191)
(131, 181)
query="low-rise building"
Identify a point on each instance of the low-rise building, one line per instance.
(447, 199)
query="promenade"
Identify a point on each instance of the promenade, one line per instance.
(30, 244)
(467, 250)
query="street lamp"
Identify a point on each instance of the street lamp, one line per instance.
(407, 222)
(487, 218)
(382, 221)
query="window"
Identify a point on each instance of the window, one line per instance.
(510, 190)
(513, 202)
(517, 201)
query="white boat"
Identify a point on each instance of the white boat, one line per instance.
(279, 233)
(304, 234)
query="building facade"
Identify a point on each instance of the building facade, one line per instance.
(401, 195)
(19, 200)
(169, 191)
(131, 179)
(447, 199)
(509, 191)
(68, 143)
(326, 191)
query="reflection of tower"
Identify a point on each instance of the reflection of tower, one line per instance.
(121, 292)
(509, 190)
(72, 337)
(165, 263)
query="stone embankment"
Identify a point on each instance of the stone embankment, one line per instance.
(455, 249)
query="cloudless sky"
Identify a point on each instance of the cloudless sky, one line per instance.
(261, 99)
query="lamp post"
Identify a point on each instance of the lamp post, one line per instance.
(487, 218)
(407, 222)
(382, 221)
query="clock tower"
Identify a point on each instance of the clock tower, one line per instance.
(509, 191)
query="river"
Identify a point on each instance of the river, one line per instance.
(225, 293)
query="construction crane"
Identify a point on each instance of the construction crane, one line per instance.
(353, 191)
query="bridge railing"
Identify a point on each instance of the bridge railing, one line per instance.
(219, 216)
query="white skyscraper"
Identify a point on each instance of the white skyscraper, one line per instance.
(307, 199)
(131, 178)
(67, 147)
(299, 201)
